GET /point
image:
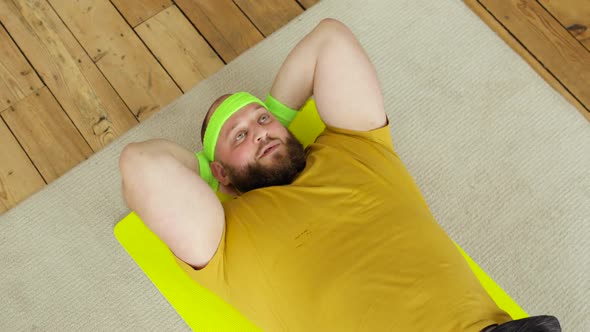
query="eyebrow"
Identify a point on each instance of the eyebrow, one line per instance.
(257, 110)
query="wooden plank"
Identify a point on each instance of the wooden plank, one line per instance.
(179, 48)
(557, 50)
(270, 15)
(223, 25)
(119, 53)
(46, 134)
(18, 177)
(307, 3)
(17, 78)
(574, 15)
(82, 91)
(138, 11)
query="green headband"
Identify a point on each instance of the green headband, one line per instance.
(229, 106)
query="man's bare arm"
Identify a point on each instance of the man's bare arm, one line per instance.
(330, 64)
(161, 183)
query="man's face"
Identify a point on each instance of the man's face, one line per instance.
(240, 151)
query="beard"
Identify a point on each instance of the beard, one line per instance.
(286, 165)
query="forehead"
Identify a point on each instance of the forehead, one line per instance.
(238, 116)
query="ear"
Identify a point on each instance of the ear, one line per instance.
(219, 173)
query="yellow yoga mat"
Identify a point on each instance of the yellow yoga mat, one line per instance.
(203, 310)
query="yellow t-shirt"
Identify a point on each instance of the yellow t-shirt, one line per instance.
(350, 245)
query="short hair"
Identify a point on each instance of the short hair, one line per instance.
(213, 106)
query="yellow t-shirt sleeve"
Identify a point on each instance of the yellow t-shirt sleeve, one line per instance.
(212, 276)
(380, 136)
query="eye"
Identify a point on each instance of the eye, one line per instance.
(241, 134)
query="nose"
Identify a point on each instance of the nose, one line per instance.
(261, 134)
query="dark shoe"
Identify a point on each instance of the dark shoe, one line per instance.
(542, 323)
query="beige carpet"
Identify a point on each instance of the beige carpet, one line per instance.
(502, 159)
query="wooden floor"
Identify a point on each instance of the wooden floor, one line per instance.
(75, 75)
(551, 35)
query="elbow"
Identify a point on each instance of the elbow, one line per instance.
(328, 21)
(333, 26)
(331, 30)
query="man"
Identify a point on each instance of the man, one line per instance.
(336, 237)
